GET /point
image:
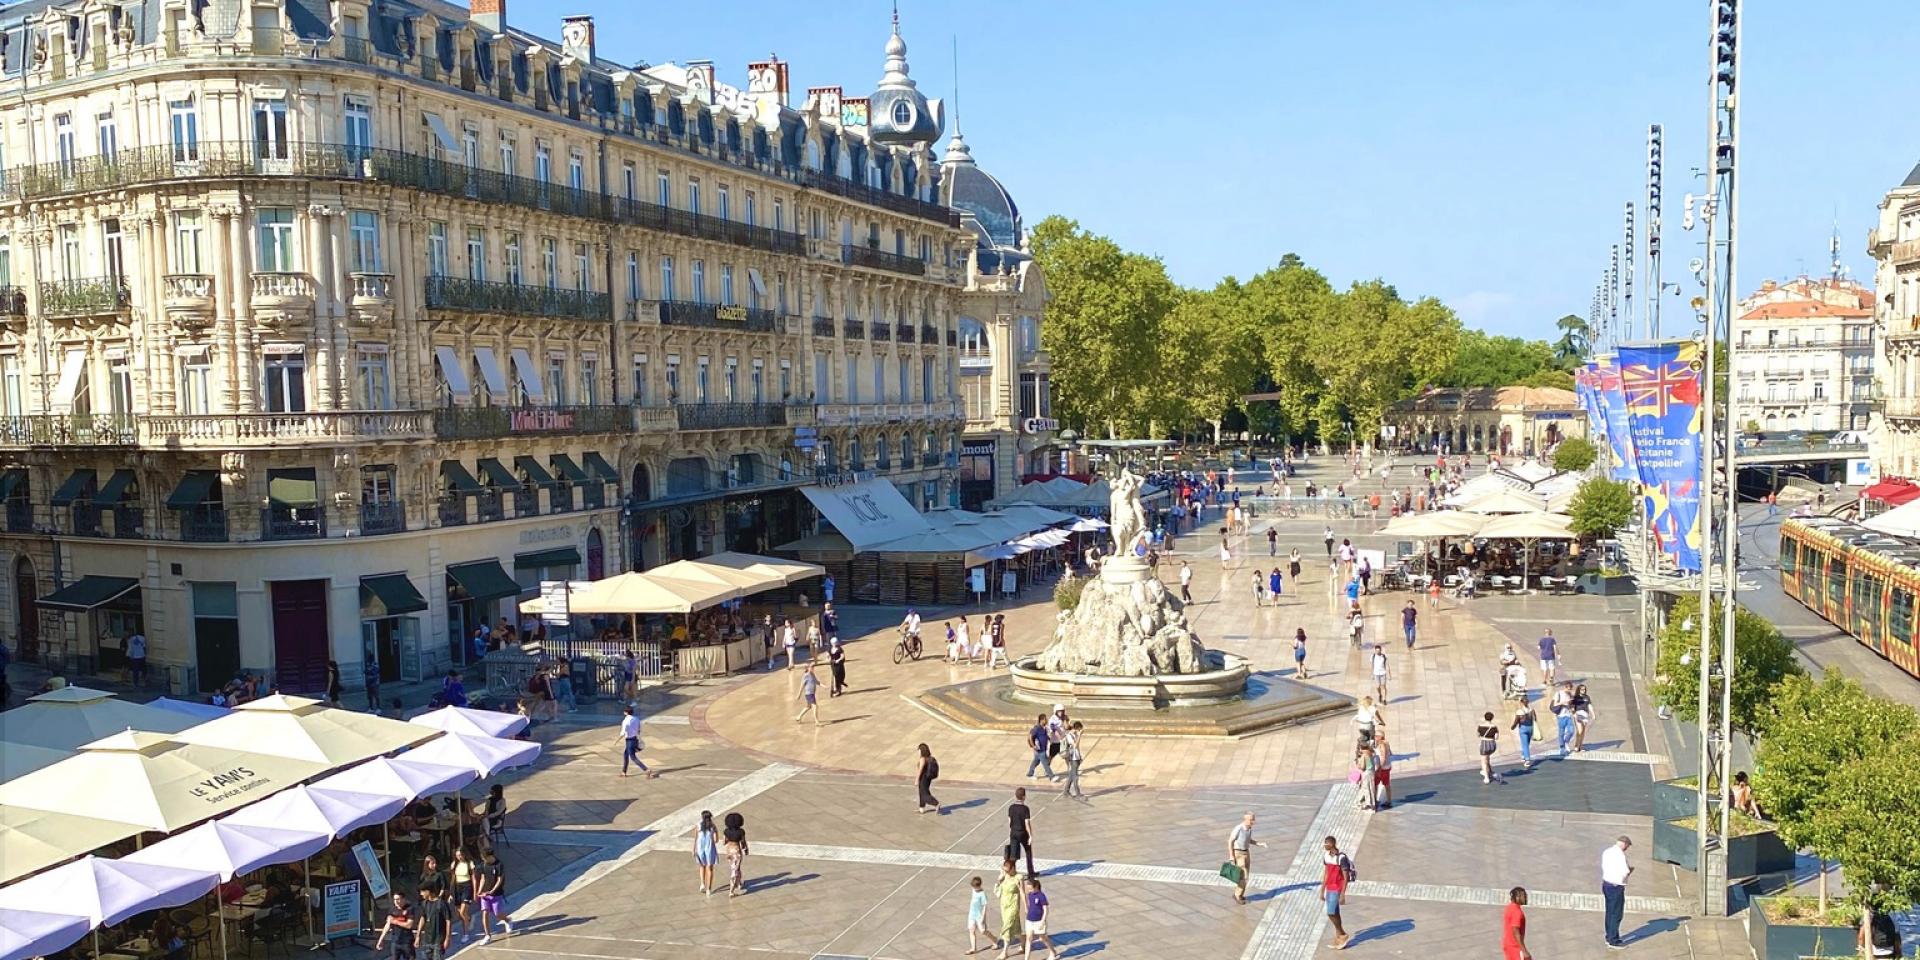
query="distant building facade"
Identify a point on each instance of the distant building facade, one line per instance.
(1507, 421)
(1895, 245)
(1804, 356)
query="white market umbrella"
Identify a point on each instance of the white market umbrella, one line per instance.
(1436, 523)
(634, 593)
(232, 848)
(402, 777)
(198, 711)
(107, 891)
(1088, 525)
(30, 933)
(472, 721)
(64, 719)
(31, 840)
(1527, 528)
(306, 729)
(1507, 501)
(485, 756)
(699, 571)
(20, 759)
(789, 571)
(315, 809)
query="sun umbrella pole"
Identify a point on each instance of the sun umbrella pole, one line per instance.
(220, 917)
(306, 875)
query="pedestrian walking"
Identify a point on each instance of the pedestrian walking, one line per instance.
(1226, 555)
(789, 639)
(1037, 743)
(1186, 583)
(1409, 616)
(1038, 909)
(1380, 672)
(1365, 774)
(1878, 936)
(1582, 716)
(1433, 593)
(460, 890)
(706, 851)
(837, 666)
(1356, 624)
(399, 927)
(1273, 542)
(492, 887)
(1508, 660)
(1299, 653)
(373, 686)
(1335, 874)
(964, 637)
(733, 841)
(1020, 828)
(1274, 583)
(1327, 535)
(1614, 871)
(1071, 751)
(1524, 725)
(1259, 588)
(1383, 771)
(1008, 889)
(1293, 565)
(810, 695)
(1562, 709)
(432, 926)
(630, 734)
(1366, 720)
(1489, 736)
(977, 919)
(1549, 658)
(997, 639)
(1240, 844)
(1513, 927)
(929, 771)
(1056, 731)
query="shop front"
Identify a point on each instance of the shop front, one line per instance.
(474, 592)
(977, 472)
(101, 613)
(389, 629)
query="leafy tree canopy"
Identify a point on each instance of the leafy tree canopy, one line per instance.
(1600, 507)
(1575, 454)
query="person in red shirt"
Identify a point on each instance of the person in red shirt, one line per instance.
(1513, 926)
(1333, 887)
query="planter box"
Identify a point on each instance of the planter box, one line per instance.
(1747, 856)
(1782, 940)
(1605, 586)
(1673, 799)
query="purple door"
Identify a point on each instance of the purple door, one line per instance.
(300, 635)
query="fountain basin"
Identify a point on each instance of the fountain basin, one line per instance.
(1227, 681)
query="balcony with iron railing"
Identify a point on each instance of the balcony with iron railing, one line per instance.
(206, 523)
(730, 416)
(880, 332)
(293, 522)
(74, 429)
(84, 297)
(854, 329)
(526, 502)
(382, 516)
(13, 302)
(684, 313)
(452, 511)
(356, 49)
(490, 505)
(903, 332)
(929, 334)
(877, 259)
(514, 299)
(491, 422)
(873, 196)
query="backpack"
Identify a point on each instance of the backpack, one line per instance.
(533, 684)
(1346, 869)
(933, 768)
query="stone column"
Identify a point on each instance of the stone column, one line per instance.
(224, 299)
(246, 342)
(406, 359)
(340, 371)
(319, 262)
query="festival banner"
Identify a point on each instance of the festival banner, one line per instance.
(1584, 378)
(1613, 409)
(1661, 385)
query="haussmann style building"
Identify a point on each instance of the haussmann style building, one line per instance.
(330, 328)
(1895, 246)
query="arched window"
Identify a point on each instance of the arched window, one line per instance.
(642, 489)
(906, 450)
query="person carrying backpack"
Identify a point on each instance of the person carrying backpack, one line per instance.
(1337, 874)
(929, 772)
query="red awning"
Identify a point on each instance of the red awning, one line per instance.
(1895, 491)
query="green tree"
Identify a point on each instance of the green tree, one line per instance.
(1600, 507)
(1574, 338)
(1485, 360)
(1103, 322)
(1575, 454)
(1763, 658)
(1374, 349)
(1869, 820)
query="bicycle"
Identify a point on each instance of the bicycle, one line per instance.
(908, 646)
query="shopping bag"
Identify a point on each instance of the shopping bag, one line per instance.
(1233, 873)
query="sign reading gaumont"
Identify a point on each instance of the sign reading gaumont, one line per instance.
(867, 513)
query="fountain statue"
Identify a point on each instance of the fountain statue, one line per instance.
(1126, 624)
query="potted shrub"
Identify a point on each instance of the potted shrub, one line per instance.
(1676, 798)
(1789, 928)
(1752, 849)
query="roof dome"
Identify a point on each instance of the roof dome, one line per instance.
(980, 198)
(897, 112)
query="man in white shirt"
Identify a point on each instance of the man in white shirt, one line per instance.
(1186, 583)
(789, 639)
(630, 734)
(1614, 872)
(137, 659)
(1379, 673)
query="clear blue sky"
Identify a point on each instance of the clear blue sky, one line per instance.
(1476, 151)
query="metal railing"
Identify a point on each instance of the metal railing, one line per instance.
(823, 326)
(307, 522)
(877, 259)
(684, 313)
(486, 423)
(903, 332)
(879, 332)
(452, 511)
(57, 429)
(726, 416)
(382, 516)
(855, 190)
(483, 296)
(855, 330)
(86, 296)
(929, 334)
(13, 301)
(206, 523)
(490, 505)
(356, 49)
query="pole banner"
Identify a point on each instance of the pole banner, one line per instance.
(1613, 410)
(1662, 387)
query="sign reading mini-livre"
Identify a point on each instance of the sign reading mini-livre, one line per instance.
(541, 419)
(370, 868)
(340, 909)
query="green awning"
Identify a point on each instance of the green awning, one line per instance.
(11, 481)
(86, 593)
(115, 489)
(557, 557)
(80, 482)
(599, 467)
(498, 475)
(388, 595)
(567, 469)
(483, 580)
(192, 490)
(536, 474)
(457, 477)
(292, 488)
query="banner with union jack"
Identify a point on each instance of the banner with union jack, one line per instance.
(1660, 388)
(1584, 378)
(1613, 411)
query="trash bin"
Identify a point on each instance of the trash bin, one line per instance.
(584, 672)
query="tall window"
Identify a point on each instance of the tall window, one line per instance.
(780, 286)
(779, 214)
(589, 381)
(879, 380)
(726, 284)
(436, 249)
(722, 202)
(359, 114)
(64, 150)
(509, 158)
(542, 163)
(12, 386)
(184, 125)
(196, 383)
(693, 195)
(699, 281)
(673, 378)
(732, 384)
(663, 194)
(576, 172)
(512, 253)
(109, 136)
(822, 380)
(786, 379)
(550, 262)
(286, 383)
(112, 252)
(640, 379)
(901, 387)
(119, 385)
(633, 275)
(364, 225)
(276, 239)
(373, 379)
(853, 379)
(759, 381)
(750, 211)
(470, 146)
(187, 231)
(630, 182)
(270, 129)
(582, 268)
(667, 291)
(557, 379)
(700, 382)
(71, 264)
(476, 254)
(926, 379)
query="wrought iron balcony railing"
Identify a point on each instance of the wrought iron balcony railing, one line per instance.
(877, 259)
(683, 313)
(727, 416)
(823, 326)
(488, 423)
(382, 516)
(84, 297)
(206, 523)
(855, 330)
(80, 429)
(293, 522)
(482, 296)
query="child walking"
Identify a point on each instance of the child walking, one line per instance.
(977, 920)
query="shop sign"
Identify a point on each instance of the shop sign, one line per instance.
(542, 420)
(370, 868)
(1039, 425)
(982, 448)
(227, 784)
(733, 312)
(341, 911)
(546, 534)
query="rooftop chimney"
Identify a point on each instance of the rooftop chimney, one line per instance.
(489, 15)
(576, 37)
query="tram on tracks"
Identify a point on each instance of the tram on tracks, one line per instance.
(1865, 582)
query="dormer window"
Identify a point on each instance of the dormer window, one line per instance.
(902, 114)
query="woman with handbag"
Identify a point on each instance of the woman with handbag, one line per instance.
(1524, 725)
(1488, 734)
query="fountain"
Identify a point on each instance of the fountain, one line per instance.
(1125, 656)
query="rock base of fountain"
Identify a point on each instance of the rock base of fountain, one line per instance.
(1223, 680)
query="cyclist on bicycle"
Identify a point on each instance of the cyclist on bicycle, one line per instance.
(911, 625)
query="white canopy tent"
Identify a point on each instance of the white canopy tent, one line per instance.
(107, 891)
(232, 848)
(867, 513)
(1506, 501)
(314, 809)
(485, 756)
(32, 840)
(1901, 521)
(306, 729)
(472, 721)
(1438, 523)
(30, 933)
(64, 719)
(1528, 528)
(634, 593)
(790, 571)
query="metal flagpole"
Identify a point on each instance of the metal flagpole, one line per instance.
(1727, 137)
(1701, 833)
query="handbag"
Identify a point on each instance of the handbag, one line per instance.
(1353, 776)
(1232, 872)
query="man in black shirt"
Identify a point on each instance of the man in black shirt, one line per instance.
(433, 926)
(1020, 828)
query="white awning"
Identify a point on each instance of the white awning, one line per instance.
(71, 367)
(444, 135)
(867, 513)
(454, 371)
(759, 285)
(490, 369)
(529, 376)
